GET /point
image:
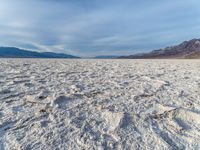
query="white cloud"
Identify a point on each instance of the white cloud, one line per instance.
(97, 27)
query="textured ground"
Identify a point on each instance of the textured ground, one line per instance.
(99, 104)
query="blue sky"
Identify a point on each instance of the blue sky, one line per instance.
(98, 27)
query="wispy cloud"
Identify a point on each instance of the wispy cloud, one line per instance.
(97, 27)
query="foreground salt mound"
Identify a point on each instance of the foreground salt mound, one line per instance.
(61, 102)
(181, 115)
(99, 104)
(113, 119)
(187, 119)
(182, 124)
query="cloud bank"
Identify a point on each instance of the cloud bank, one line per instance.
(97, 27)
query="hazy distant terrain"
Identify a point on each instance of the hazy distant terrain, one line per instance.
(99, 104)
(105, 57)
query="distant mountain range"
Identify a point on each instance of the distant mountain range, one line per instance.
(105, 57)
(187, 49)
(12, 52)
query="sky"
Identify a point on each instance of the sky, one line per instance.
(98, 27)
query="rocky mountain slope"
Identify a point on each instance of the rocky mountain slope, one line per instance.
(187, 49)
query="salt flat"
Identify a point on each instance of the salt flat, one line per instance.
(99, 104)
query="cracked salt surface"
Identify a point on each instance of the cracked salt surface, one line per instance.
(99, 104)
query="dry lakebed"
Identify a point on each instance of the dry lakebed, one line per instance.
(99, 104)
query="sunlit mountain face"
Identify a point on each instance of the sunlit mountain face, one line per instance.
(187, 49)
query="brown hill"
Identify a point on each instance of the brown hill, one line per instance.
(187, 49)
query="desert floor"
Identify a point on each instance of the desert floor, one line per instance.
(99, 104)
